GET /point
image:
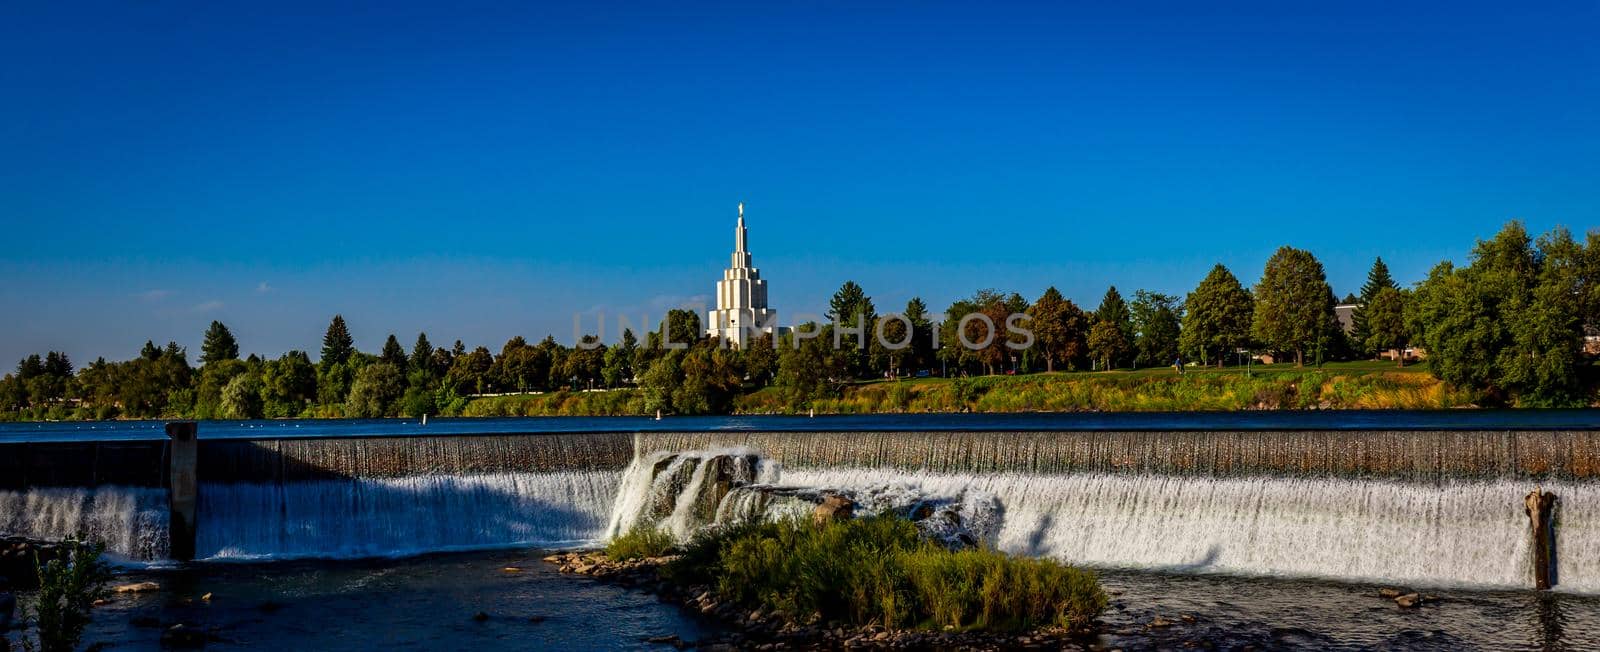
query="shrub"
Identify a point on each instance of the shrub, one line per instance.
(639, 543)
(880, 571)
(69, 585)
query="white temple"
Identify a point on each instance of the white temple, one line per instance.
(742, 313)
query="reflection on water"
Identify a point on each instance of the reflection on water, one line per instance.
(429, 602)
(420, 603)
(1269, 613)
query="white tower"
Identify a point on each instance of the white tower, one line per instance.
(742, 313)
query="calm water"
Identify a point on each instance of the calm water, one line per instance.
(1264, 420)
(419, 603)
(428, 603)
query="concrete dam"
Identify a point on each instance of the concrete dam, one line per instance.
(1417, 506)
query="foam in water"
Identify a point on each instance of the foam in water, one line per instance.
(367, 517)
(681, 491)
(132, 521)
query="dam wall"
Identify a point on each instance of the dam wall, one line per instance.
(1409, 455)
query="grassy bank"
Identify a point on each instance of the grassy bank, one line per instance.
(879, 571)
(1333, 387)
(1349, 386)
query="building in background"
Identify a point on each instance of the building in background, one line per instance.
(742, 314)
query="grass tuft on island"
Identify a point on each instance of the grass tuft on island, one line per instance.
(880, 571)
(640, 543)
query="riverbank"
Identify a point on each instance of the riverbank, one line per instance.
(1335, 386)
(1340, 386)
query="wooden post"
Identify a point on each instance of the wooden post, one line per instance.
(182, 489)
(1539, 505)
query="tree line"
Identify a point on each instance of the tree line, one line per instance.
(1511, 325)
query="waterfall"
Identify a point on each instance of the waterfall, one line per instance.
(1456, 533)
(365, 517)
(682, 491)
(132, 521)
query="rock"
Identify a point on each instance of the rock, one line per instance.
(180, 635)
(833, 508)
(880, 636)
(100, 603)
(554, 559)
(511, 569)
(1160, 622)
(1408, 600)
(137, 587)
(480, 616)
(1390, 593)
(205, 598)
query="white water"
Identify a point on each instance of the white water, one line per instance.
(1467, 533)
(643, 489)
(132, 521)
(397, 516)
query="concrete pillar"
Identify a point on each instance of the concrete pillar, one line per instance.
(1539, 505)
(182, 488)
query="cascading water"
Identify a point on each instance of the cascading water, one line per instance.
(132, 521)
(680, 492)
(363, 517)
(1459, 533)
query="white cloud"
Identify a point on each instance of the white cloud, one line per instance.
(207, 306)
(153, 295)
(263, 288)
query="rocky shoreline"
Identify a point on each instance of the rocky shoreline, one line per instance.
(760, 630)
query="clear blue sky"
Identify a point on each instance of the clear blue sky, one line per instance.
(478, 171)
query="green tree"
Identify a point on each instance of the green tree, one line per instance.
(337, 345)
(1217, 318)
(376, 391)
(219, 345)
(1378, 279)
(618, 363)
(1114, 310)
(393, 353)
(1107, 344)
(1294, 304)
(1157, 320)
(810, 368)
(1050, 327)
(1386, 323)
(241, 397)
(288, 385)
(682, 328)
(921, 356)
(761, 359)
(1509, 324)
(422, 355)
(851, 308)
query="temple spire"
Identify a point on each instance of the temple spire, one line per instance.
(739, 234)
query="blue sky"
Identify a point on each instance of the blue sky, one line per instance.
(480, 171)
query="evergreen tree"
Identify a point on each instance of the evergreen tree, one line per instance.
(1114, 310)
(337, 345)
(422, 354)
(1217, 319)
(1294, 304)
(1378, 279)
(393, 353)
(219, 345)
